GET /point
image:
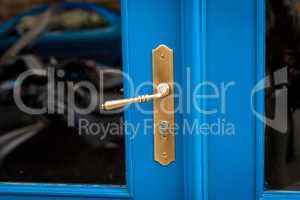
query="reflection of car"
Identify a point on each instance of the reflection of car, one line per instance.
(38, 144)
(102, 44)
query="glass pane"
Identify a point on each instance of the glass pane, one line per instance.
(51, 128)
(283, 70)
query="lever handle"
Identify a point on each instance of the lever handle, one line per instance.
(163, 90)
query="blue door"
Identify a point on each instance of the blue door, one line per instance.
(251, 47)
(52, 165)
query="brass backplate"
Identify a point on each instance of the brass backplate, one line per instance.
(164, 140)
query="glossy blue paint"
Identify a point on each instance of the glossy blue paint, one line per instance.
(260, 128)
(276, 195)
(64, 191)
(145, 25)
(193, 58)
(233, 49)
(220, 42)
(151, 23)
(52, 198)
(230, 56)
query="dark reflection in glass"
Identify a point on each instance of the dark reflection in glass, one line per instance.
(77, 43)
(282, 160)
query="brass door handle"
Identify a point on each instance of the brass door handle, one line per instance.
(163, 104)
(163, 90)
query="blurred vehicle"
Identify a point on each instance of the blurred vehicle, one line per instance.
(84, 41)
(101, 43)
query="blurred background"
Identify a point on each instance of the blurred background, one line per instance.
(83, 39)
(10, 8)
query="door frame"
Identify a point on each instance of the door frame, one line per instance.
(88, 191)
(44, 191)
(195, 37)
(261, 193)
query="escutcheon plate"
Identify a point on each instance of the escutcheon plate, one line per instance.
(163, 110)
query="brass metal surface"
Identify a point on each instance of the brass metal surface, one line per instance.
(162, 91)
(163, 109)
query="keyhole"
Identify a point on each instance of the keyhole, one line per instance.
(164, 128)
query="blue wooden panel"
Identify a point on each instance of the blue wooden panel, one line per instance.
(219, 44)
(277, 195)
(231, 57)
(150, 23)
(260, 128)
(63, 191)
(193, 72)
(225, 41)
(51, 198)
(146, 24)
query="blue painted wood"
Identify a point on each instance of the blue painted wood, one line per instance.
(146, 24)
(52, 198)
(225, 41)
(234, 50)
(127, 113)
(279, 195)
(194, 72)
(64, 191)
(150, 23)
(260, 128)
(230, 54)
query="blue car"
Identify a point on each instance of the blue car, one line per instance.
(102, 44)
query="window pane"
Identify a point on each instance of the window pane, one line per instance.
(75, 62)
(283, 69)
